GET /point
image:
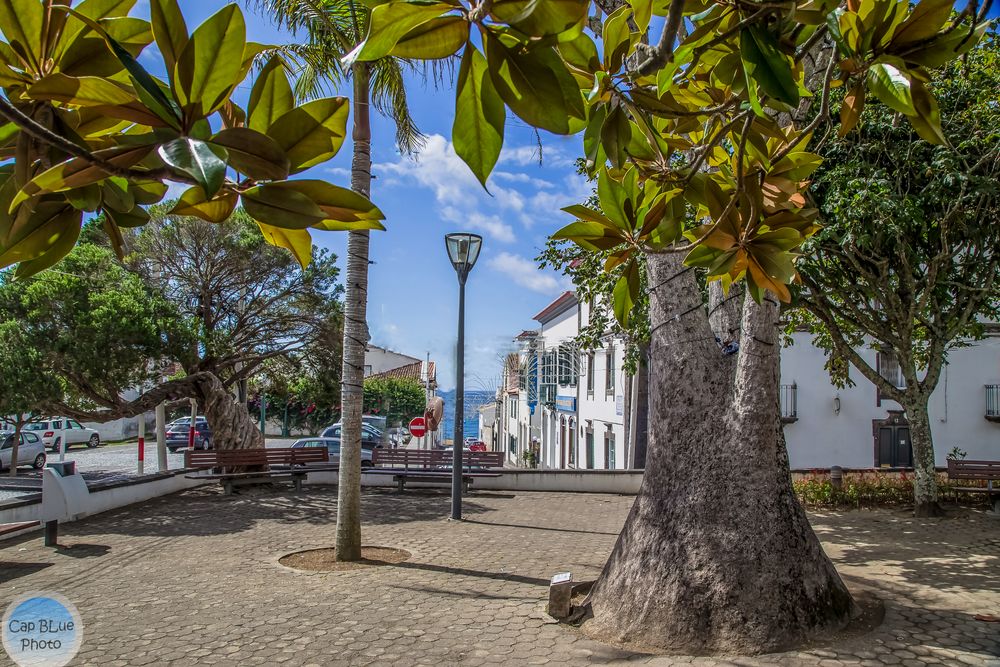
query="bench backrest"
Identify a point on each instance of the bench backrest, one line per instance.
(434, 458)
(228, 458)
(973, 469)
(408, 458)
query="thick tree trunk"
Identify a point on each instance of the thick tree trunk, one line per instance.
(232, 426)
(925, 490)
(716, 555)
(355, 337)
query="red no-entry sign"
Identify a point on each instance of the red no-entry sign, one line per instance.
(418, 427)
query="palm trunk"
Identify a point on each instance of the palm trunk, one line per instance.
(925, 490)
(716, 554)
(348, 545)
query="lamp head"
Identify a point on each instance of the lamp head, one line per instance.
(463, 251)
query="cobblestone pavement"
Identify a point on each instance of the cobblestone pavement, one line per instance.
(193, 579)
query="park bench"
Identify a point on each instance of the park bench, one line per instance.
(421, 465)
(266, 465)
(988, 471)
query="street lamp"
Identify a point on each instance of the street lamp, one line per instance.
(463, 251)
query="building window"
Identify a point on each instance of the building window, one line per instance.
(567, 372)
(609, 372)
(572, 445)
(590, 374)
(547, 388)
(590, 449)
(368, 370)
(609, 450)
(889, 368)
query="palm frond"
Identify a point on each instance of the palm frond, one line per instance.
(389, 99)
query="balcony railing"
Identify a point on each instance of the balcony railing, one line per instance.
(789, 406)
(993, 402)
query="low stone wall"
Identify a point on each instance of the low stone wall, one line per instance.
(103, 497)
(576, 481)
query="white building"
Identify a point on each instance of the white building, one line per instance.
(856, 428)
(578, 405)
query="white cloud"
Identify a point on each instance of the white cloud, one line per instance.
(545, 155)
(524, 272)
(516, 197)
(342, 172)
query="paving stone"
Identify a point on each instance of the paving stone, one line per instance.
(193, 579)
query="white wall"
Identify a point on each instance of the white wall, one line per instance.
(381, 360)
(822, 438)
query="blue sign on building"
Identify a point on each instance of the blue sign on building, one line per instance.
(566, 403)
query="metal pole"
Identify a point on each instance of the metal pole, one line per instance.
(161, 436)
(456, 462)
(194, 422)
(142, 442)
(263, 414)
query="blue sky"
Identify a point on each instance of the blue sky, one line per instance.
(412, 305)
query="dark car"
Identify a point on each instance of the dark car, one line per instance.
(179, 431)
(370, 437)
(333, 446)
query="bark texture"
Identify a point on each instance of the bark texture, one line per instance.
(355, 336)
(925, 489)
(717, 555)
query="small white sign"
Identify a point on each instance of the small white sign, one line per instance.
(619, 405)
(562, 577)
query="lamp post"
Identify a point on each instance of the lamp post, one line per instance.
(463, 251)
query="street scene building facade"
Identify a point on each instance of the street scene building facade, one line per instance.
(574, 408)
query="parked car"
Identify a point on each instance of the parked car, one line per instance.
(56, 432)
(369, 434)
(31, 451)
(333, 446)
(476, 446)
(179, 431)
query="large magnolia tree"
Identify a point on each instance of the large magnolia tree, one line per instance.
(88, 128)
(706, 121)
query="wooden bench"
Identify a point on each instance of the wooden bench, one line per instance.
(988, 471)
(277, 463)
(434, 465)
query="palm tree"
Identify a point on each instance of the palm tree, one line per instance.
(334, 28)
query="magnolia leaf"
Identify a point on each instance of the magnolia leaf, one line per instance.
(478, 128)
(766, 65)
(336, 203)
(892, 87)
(59, 248)
(616, 133)
(22, 22)
(536, 85)
(615, 203)
(542, 18)
(926, 19)
(208, 68)
(252, 153)
(196, 159)
(945, 48)
(281, 207)
(389, 23)
(38, 229)
(147, 192)
(169, 30)
(312, 133)
(76, 172)
(626, 293)
(297, 241)
(135, 217)
(850, 112)
(194, 203)
(927, 119)
(438, 38)
(270, 97)
(84, 91)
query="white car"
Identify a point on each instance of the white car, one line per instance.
(57, 432)
(31, 452)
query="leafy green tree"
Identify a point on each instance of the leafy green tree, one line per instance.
(25, 382)
(397, 399)
(908, 259)
(92, 329)
(707, 123)
(335, 29)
